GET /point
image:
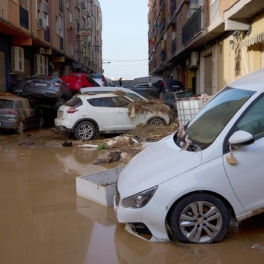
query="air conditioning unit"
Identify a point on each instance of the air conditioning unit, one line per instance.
(17, 57)
(41, 50)
(42, 23)
(194, 59)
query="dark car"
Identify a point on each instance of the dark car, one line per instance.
(17, 86)
(17, 113)
(148, 92)
(48, 91)
(171, 99)
(78, 80)
(168, 85)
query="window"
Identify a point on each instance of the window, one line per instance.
(253, 120)
(120, 101)
(100, 102)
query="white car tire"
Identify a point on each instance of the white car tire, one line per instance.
(85, 131)
(20, 128)
(199, 218)
(156, 122)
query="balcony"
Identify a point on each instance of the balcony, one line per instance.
(47, 34)
(172, 8)
(23, 13)
(162, 26)
(61, 43)
(163, 56)
(193, 26)
(173, 46)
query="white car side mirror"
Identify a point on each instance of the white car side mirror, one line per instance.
(240, 138)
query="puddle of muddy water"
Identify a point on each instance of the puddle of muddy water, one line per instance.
(44, 221)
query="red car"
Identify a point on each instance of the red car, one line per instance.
(78, 80)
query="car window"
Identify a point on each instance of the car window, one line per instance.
(74, 102)
(133, 96)
(6, 104)
(120, 101)
(100, 102)
(253, 120)
(214, 116)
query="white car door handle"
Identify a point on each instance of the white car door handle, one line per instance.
(120, 112)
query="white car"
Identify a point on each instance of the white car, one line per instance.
(86, 115)
(206, 176)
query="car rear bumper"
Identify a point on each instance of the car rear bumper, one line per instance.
(4, 124)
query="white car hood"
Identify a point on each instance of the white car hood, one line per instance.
(157, 163)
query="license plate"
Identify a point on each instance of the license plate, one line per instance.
(40, 84)
(175, 86)
(18, 91)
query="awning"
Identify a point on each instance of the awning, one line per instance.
(253, 40)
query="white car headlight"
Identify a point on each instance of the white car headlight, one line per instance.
(140, 199)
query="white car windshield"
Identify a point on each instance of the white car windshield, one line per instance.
(214, 116)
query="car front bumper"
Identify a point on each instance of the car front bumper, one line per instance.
(144, 220)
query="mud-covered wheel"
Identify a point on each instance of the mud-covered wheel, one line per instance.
(41, 122)
(20, 127)
(199, 218)
(85, 131)
(156, 122)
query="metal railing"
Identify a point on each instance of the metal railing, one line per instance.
(173, 8)
(173, 46)
(162, 25)
(163, 56)
(193, 26)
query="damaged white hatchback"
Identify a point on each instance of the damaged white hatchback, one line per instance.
(193, 184)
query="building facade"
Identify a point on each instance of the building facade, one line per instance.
(44, 37)
(205, 43)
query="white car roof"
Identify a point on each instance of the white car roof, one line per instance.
(98, 95)
(253, 81)
(109, 89)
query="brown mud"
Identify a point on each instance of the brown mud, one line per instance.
(43, 221)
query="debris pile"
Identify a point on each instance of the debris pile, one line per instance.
(140, 107)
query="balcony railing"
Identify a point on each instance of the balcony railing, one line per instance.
(173, 8)
(61, 43)
(47, 34)
(162, 25)
(193, 26)
(173, 46)
(163, 56)
(23, 17)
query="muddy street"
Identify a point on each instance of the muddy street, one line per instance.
(43, 221)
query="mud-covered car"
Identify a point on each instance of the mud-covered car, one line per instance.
(86, 115)
(209, 174)
(17, 114)
(49, 91)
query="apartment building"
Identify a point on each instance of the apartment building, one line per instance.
(205, 43)
(44, 37)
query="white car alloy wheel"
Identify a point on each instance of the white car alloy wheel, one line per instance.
(199, 218)
(20, 128)
(156, 122)
(85, 131)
